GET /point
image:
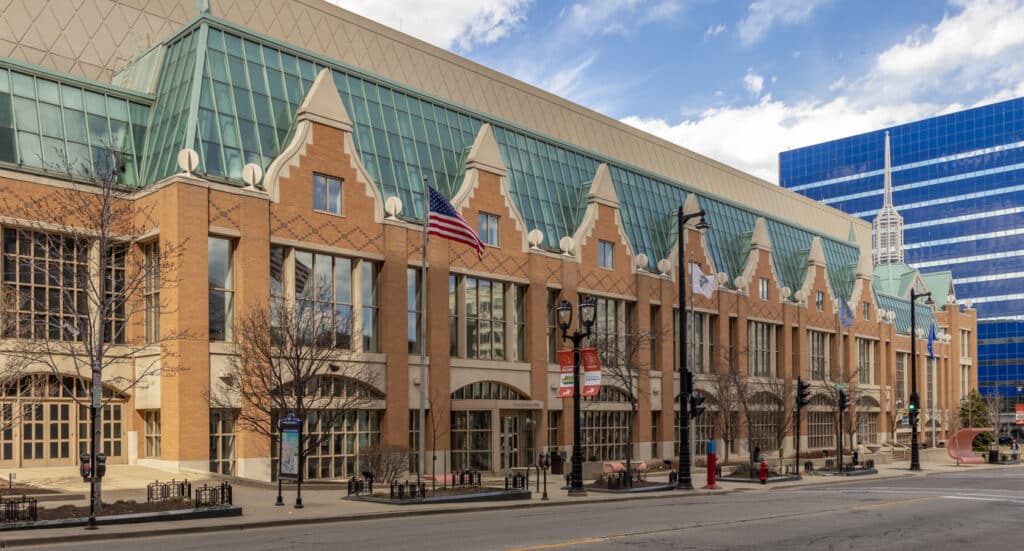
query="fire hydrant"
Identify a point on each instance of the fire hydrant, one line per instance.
(764, 472)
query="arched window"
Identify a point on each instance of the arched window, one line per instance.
(821, 422)
(488, 390)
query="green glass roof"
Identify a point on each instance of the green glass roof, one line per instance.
(901, 306)
(232, 95)
(56, 123)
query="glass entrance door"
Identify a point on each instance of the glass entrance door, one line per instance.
(510, 441)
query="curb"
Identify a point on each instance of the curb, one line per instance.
(79, 537)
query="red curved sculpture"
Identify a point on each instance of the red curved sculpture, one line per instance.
(960, 445)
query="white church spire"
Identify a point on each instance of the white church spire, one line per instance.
(887, 228)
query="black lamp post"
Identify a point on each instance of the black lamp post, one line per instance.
(588, 308)
(915, 400)
(683, 481)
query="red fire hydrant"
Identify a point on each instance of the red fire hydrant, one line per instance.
(764, 472)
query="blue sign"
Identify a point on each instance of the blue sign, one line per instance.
(288, 466)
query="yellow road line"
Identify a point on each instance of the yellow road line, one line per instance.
(569, 543)
(890, 503)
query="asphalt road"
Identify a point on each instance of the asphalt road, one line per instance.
(944, 511)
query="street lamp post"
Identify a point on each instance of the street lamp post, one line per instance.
(683, 481)
(915, 400)
(588, 308)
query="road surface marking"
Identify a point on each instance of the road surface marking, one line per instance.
(569, 543)
(890, 503)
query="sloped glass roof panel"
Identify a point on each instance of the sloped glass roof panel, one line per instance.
(549, 184)
(172, 108)
(648, 208)
(842, 259)
(923, 315)
(790, 247)
(728, 237)
(57, 125)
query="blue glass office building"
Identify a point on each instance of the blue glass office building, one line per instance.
(958, 182)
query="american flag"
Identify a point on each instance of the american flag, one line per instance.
(445, 222)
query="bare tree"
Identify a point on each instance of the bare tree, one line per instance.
(81, 263)
(440, 424)
(621, 367)
(768, 397)
(844, 381)
(386, 463)
(996, 405)
(724, 390)
(293, 356)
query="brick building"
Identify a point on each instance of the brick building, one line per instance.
(571, 204)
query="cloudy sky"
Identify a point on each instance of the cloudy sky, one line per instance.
(738, 81)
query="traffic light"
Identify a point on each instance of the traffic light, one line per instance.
(803, 393)
(844, 400)
(912, 409)
(696, 404)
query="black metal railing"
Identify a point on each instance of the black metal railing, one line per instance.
(359, 486)
(164, 491)
(408, 490)
(466, 478)
(23, 509)
(212, 496)
(516, 481)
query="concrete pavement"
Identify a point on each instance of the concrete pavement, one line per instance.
(321, 506)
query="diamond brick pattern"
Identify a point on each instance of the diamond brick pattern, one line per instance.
(299, 228)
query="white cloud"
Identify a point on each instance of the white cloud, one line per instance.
(753, 83)
(615, 16)
(449, 24)
(750, 137)
(970, 58)
(713, 31)
(763, 14)
(566, 82)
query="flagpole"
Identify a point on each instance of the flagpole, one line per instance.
(421, 467)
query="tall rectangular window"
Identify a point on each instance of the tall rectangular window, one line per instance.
(762, 288)
(865, 361)
(700, 342)
(151, 290)
(414, 440)
(323, 285)
(605, 252)
(819, 354)
(866, 309)
(487, 228)
(965, 343)
(412, 292)
(930, 390)
(611, 327)
(222, 441)
(453, 316)
(764, 348)
(819, 301)
(553, 419)
(820, 430)
(965, 380)
(219, 252)
(115, 301)
(326, 194)
(553, 332)
(655, 336)
(152, 418)
(370, 324)
(901, 379)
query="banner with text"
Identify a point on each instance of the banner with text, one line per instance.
(591, 371)
(1020, 414)
(565, 363)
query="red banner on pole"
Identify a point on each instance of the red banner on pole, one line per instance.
(1020, 414)
(565, 363)
(591, 371)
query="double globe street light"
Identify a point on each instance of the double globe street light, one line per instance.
(588, 310)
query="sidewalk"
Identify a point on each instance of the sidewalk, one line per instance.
(129, 482)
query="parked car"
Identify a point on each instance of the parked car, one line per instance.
(1005, 440)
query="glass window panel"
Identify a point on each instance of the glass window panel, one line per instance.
(25, 111)
(117, 108)
(48, 91)
(29, 149)
(95, 104)
(23, 85)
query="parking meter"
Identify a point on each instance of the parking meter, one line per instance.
(101, 465)
(85, 467)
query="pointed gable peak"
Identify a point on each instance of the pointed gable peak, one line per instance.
(816, 257)
(760, 239)
(323, 104)
(602, 189)
(485, 154)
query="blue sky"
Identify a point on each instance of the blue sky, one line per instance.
(738, 81)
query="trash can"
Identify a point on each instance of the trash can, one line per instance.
(557, 463)
(993, 456)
